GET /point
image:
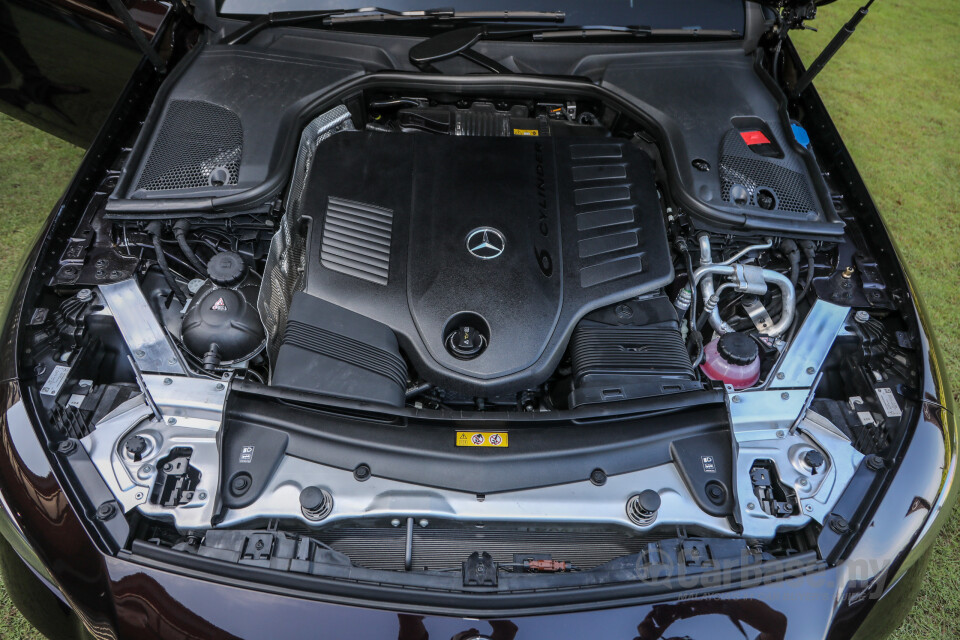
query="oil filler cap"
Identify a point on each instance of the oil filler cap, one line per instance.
(466, 342)
(227, 269)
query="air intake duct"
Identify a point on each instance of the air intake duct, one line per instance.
(331, 350)
(630, 350)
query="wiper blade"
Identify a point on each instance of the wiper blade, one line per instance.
(599, 32)
(377, 14)
(332, 17)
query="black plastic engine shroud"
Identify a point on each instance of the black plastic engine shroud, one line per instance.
(391, 213)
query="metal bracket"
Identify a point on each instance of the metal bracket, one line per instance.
(194, 414)
(801, 363)
(145, 337)
(775, 425)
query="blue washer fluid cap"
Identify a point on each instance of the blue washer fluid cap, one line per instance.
(800, 134)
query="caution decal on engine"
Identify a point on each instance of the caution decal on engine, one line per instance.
(482, 439)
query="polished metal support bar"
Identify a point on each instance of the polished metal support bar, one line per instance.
(148, 342)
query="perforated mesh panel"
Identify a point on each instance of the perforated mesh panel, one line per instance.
(199, 145)
(741, 166)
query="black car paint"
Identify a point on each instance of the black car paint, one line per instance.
(64, 547)
(43, 80)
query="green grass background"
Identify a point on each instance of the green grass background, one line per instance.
(894, 93)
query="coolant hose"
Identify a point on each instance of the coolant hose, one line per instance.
(180, 230)
(154, 229)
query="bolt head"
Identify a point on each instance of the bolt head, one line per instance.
(361, 473)
(784, 396)
(220, 386)
(839, 525)
(781, 375)
(202, 495)
(66, 447)
(598, 477)
(781, 434)
(171, 421)
(875, 462)
(811, 371)
(424, 523)
(395, 522)
(140, 353)
(106, 511)
(735, 399)
(751, 506)
(168, 381)
(139, 495)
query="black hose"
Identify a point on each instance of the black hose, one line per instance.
(810, 250)
(418, 389)
(694, 329)
(154, 229)
(180, 230)
(396, 103)
(789, 248)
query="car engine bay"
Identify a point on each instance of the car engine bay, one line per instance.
(471, 334)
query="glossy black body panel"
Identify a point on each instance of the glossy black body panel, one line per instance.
(63, 65)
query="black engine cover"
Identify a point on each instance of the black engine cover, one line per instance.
(579, 224)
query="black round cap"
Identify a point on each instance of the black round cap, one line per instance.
(226, 269)
(312, 499)
(466, 342)
(649, 500)
(737, 348)
(241, 483)
(813, 459)
(135, 445)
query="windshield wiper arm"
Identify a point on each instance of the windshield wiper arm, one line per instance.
(597, 32)
(277, 19)
(377, 14)
(331, 17)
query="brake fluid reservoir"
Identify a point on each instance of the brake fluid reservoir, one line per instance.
(733, 359)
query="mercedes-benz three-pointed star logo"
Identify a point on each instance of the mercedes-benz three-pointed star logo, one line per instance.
(486, 243)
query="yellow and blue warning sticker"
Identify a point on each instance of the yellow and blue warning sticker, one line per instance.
(483, 439)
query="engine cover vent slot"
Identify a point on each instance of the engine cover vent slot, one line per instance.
(356, 240)
(200, 145)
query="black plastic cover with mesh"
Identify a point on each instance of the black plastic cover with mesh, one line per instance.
(199, 145)
(783, 177)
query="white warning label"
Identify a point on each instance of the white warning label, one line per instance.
(888, 402)
(55, 382)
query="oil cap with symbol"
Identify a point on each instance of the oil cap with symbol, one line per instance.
(466, 342)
